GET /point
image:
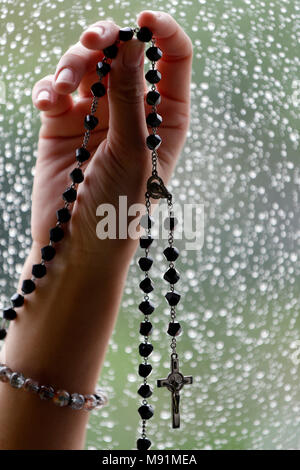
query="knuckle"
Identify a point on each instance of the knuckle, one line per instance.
(73, 47)
(185, 45)
(105, 23)
(165, 15)
(127, 92)
(72, 54)
(189, 45)
(73, 57)
(182, 121)
(75, 51)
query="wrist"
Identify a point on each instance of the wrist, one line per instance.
(75, 303)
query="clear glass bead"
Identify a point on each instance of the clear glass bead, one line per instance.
(5, 373)
(31, 385)
(61, 398)
(17, 380)
(90, 402)
(46, 392)
(77, 401)
(101, 397)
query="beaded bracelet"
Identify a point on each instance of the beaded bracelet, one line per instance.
(61, 398)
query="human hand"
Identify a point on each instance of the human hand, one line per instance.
(120, 160)
(75, 307)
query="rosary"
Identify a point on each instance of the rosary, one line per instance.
(156, 189)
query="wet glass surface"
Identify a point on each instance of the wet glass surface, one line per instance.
(240, 306)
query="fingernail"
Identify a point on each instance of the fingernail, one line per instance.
(44, 95)
(133, 53)
(96, 29)
(65, 76)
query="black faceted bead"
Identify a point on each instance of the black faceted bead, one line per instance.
(144, 34)
(90, 122)
(146, 411)
(125, 34)
(154, 53)
(63, 215)
(39, 270)
(154, 120)
(48, 252)
(145, 391)
(172, 276)
(146, 328)
(82, 154)
(146, 221)
(171, 253)
(145, 349)
(56, 234)
(153, 141)
(28, 286)
(70, 195)
(143, 444)
(103, 68)
(174, 329)
(145, 263)
(146, 241)
(111, 51)
(9, 314)
(3, 333)
(146, 307)
(145, 370)
(146, 285)
(153, 98)
(77, 175)
(17, 300)
(98, 89)
(173, 298)
(153, 76)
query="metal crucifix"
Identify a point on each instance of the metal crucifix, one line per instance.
(174, 382)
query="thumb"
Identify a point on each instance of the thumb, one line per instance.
(126, 91)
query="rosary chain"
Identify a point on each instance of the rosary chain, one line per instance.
(4, 322)
(171, 265)
(153, 144)
(146, 299)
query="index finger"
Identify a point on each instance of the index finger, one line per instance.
(177, 48)
(80, 59)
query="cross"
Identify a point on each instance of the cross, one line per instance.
(174, 382)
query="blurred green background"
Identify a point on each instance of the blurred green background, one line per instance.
(241, 160)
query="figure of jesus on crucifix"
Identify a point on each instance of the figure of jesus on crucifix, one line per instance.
(174, 382)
